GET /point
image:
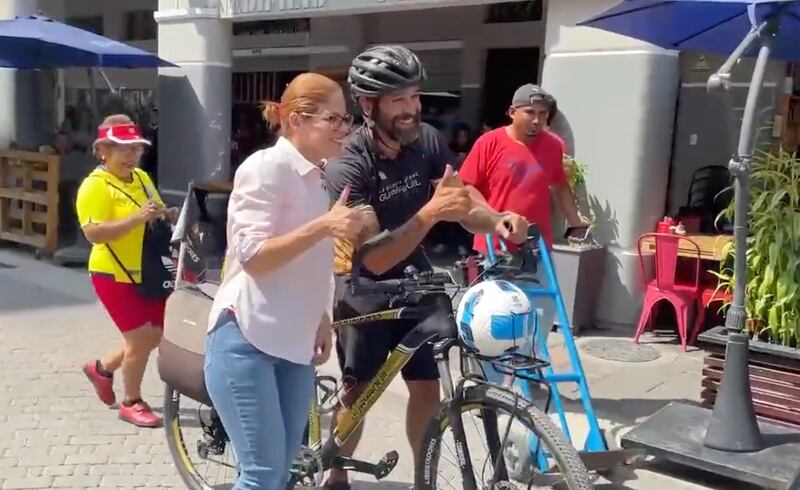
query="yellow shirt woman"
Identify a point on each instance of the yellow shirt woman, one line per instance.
(103, 197)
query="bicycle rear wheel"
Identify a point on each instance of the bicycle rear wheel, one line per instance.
(566, 468)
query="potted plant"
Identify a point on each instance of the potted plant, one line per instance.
(772, 295)
(578, 265)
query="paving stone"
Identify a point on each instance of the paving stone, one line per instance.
(27, 482)
(54, 433)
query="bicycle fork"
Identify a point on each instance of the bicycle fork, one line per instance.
(454, 401)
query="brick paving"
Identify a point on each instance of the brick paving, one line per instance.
(54, 433)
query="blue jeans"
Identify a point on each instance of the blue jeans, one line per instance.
(262, 401)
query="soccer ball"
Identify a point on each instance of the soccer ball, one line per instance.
(494, 318)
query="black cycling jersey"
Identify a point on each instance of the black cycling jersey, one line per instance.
(396, 188)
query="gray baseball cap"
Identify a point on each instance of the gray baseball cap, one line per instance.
(530, 93)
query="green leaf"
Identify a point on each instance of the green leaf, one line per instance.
(772, 293)
(773, 318)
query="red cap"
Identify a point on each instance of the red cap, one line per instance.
(125, 134)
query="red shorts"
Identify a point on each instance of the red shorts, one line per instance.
(127, 308)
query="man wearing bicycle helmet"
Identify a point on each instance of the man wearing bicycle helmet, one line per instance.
(519, 166)
(402, 169)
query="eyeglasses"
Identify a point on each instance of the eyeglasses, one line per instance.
(336, 121)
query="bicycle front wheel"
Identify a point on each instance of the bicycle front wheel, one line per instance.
(518, 422)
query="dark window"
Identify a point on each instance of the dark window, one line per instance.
(140, 25)
(506, 70)
(503, 13)
(91, 24)
(260, 27)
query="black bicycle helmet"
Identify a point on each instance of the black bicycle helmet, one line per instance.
(384, 69)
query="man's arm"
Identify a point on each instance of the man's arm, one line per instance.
(474, 173)
(481, 221)
(559, 187)
(565, 200)
(405, 240)
(450, 202)
(481, 218)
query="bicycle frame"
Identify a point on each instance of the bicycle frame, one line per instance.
(354, 415)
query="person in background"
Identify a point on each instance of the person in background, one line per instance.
(518, 167)
(270, 322)
(114, 204)
(451, 238)
(461, 142)
(433, 117)
(150, 158)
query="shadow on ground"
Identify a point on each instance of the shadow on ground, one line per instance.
(22, 296)
(622, 478)
(27, 284)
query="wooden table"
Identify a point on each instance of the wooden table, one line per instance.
(711, 246)
(226, 186)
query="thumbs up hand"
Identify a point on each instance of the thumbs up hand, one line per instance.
(344, 222)
(450, 201)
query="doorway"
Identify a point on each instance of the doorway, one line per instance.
(249, 132)
(506, 70)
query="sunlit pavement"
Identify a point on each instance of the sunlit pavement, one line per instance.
(54, 433)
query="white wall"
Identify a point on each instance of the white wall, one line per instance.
(617, 97)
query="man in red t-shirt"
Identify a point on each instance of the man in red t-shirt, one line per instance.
(517, 167)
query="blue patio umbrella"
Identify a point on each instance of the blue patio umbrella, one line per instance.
(735, 28)
(39, 42)
(707, 26)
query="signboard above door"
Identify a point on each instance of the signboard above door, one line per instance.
(273, 9)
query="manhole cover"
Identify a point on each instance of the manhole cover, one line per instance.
(621, 350)
(6, 266)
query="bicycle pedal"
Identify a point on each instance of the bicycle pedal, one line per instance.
(379, 470)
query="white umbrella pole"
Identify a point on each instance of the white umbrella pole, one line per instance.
(93, 97)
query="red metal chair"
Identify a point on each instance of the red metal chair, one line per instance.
(685, 298)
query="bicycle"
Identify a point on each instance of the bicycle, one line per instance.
(471, 393)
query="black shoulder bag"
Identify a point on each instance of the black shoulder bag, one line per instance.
(157, 280)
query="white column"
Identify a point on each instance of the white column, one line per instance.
(617, 97)
(15, 101)
(195, 98)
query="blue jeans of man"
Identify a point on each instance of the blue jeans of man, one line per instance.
(262, 401)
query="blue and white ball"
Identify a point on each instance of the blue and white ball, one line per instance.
(494, 318)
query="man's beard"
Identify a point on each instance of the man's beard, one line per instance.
(391, 128)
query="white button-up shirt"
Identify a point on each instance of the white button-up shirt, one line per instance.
(276, 191)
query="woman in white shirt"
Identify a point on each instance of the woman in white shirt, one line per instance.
(270, 321)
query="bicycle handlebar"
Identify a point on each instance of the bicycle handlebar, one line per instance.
(518, 264)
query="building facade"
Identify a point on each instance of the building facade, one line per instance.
(637, 115)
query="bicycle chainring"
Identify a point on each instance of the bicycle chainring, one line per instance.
(306, 470)
(215, 440)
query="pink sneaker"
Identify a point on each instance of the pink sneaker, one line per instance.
(103, 385)
(139, 414)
